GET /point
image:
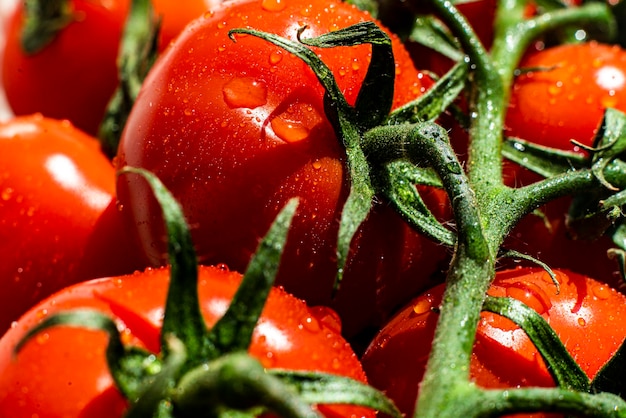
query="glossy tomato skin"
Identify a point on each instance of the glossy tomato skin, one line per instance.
(565, 96)
(585, 314)
(235, 129)
(75, 75)
(62, 372)
(59, 222)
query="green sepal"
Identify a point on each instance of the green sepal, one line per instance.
(610, 378)
(43, 20)
(542, 160)
(130, 367)
(398, 184)
(565, 371)
(237, 385)
(233, 331)
(432, 33)
(316, 388)
(152, 401)
(593, 212)
(182, 317)
(343, 117)
(521, 256)
(435, 100)
(137, 53)
(375, 97)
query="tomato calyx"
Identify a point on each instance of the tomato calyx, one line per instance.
(43, 20)
(138, 52)
(209, 371)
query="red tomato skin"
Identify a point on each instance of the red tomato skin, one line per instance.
(567, 100)
(62, 372)
(235, 129)
(59, 222)
(585, 314)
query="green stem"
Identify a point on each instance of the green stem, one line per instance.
(500, 402)
(514, 33)
(239, 382)
(43, 20)
(486, 105)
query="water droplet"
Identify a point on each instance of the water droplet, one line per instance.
(422, 306)
(245, 92)
(6, 194)
(276, 57)
(289, 131)
(554, 89)
(223, 267)
(310, 323)
(582, 322)
(188, 112)
(531, 295)
(42, 338)
(336, 363)
(328, 317)
(273, 5)
(601, 291)
(356, 66)
(317, 164)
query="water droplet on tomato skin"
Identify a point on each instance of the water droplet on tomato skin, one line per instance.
(246, 92)
(582, 322)
(601, 291)
(273, 5)
(531, 295)
(289, 131)
(276, 57)
(310, 323)
(6, 194)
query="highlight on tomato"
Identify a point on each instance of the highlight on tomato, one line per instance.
(583, 312)
(235, 129)
(59, 223)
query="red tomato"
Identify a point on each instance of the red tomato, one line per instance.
(59, 223)
(565, 96)
(234, 130)
(62, 372)
(75, 76)
(586, 313)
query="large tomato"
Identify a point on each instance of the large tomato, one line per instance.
(565, 92)
(235, 129)
(586, 313)
(63, 373)
(59, 223)
(75, 75)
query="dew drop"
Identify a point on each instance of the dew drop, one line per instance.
(42, 338)
(317, 164)
(554, 89)
(289, 131)
(276, 57)
(601, 291)
(582, 322)
(245, 92)
(531, 295)
(328, 317)
(6, 194)
(310, 324)
(422, 306)
(273, 5)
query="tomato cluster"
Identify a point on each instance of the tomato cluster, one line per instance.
(235, 125)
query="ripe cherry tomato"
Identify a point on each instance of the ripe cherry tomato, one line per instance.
(565, 93)
(586, 313)
(63, 373)
(59, 223)
(75, 75)
(235, 129)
